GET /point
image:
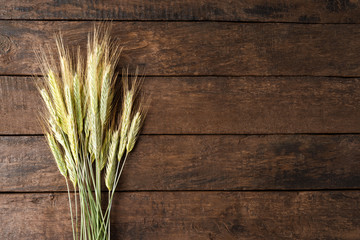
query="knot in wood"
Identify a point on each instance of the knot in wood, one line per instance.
(5, 44)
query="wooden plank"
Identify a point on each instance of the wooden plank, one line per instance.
(216, 105)
(217, 162)
(200, 48)
(255, 10)
(194, 215)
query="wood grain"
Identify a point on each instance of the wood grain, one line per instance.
(199, 48)
(217, 162)
(323, 11)
(216, 105)
(192, 176)
(193, 215)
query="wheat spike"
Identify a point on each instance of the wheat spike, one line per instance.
(72, 132)
(125, 121)
(93, 82)
(78, 102)
(111, 163)
(105, 150)
(57, 132)
(133, 131)
(57, 155)
(65, 61)
(45, 96)
(95, 138)
(106, 95)
(71, 167)
(57, 96)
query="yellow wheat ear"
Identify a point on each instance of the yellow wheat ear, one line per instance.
(134, 131)
(59, 158)
(111, 165)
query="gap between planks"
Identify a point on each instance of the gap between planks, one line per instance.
(200, 191)
(208, 134)
(179, 21)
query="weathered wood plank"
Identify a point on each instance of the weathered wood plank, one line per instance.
(193, 215)
(200, 48)
(201, 162)
(322, 11)
(216, 105)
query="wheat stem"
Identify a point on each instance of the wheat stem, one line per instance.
(71, 214)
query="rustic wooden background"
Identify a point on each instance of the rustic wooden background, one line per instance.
(253, 131)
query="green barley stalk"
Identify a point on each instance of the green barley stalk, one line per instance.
(86, 133)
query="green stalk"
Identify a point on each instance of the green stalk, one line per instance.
(71, 213)
(92, 208)
(98, 195)
(76, 215)
(117, 178)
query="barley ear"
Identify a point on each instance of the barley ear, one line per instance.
(78, 102)
(92, 81)
(122, 147)
(57, 133)
(105, 150)
(57, 155)
(70, 165)
(111, 162)
(72, 132)
(57, 96)
(105, 95)
(46, 98)
(134, 131)
(125, 121)
(95, 134)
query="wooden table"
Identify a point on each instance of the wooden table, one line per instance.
(253, 131)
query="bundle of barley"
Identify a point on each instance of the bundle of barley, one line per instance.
(86, 130)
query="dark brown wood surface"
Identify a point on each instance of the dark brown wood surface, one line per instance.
(194, 215)
(320, 11)
(201, 162)
(216, 105)
(253, 131)
(199, 48)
